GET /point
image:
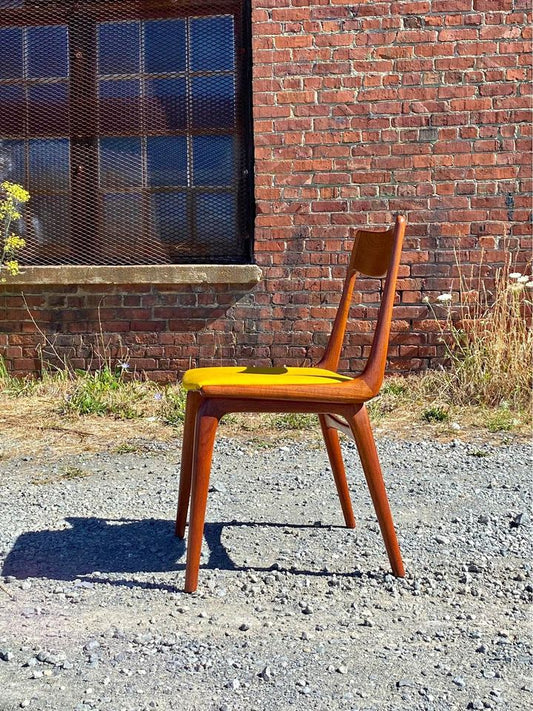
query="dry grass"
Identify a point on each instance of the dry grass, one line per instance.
(419, 405)
(34, 425)
(35, 422)
(489, 341)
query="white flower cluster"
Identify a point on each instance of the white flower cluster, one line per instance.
(519, 281)
(522, 279)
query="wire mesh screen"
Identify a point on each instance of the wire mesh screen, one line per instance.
(129, 123)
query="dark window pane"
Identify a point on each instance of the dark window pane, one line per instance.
(120, 162)
(119, 47)
(169, 217)
(12, 113)
(166, 105)
(49, 221)
(215, 221)
(48, 51)
(122, 216)
(213, 160)
(48, 109)
(10, 53)
(49, 165)
(213, 102)
(119, 107)
(13, 161)
(167, 161)
(212, 43)
(164, 46)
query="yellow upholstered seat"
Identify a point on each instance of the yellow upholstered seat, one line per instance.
(199, 378)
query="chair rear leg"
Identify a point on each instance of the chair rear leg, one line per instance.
(187, 449)
(206, 427)
(364, 439)
(331, 439)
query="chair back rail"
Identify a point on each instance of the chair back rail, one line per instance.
(374, 254)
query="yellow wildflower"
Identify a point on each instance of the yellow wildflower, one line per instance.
(16, 192)
(14, 242)
(12, 267)
(11, 197)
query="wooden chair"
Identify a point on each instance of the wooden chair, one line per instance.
(338, 400)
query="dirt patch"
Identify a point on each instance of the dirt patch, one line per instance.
(36, 425)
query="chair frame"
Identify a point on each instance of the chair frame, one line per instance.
(340, 407)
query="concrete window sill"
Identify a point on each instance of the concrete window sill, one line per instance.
(140, 274)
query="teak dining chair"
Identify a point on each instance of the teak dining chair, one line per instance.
(338, 400)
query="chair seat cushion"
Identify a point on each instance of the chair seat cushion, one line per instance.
(198, 378)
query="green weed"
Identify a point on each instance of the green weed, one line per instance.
(105, 392)
(395, 392)
(126, 448)
(293, 421)
(172, 410)
(13, 386)
(395, 387)
(501, 420)
(66, 474)
(435, 413)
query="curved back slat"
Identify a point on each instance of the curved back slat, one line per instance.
(375, 367)
(371, 252)
(374, 254)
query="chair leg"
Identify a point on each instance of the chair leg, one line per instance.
(191, 408)
(206, 427)
(331, 439)
(364, 439)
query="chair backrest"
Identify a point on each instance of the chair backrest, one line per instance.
(374, 254)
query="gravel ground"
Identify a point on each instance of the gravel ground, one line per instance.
(293, 611)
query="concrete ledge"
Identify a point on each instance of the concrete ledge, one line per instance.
(140, 274)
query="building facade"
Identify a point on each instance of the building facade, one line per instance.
(203, 197)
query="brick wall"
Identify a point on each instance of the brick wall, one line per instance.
(361, 110)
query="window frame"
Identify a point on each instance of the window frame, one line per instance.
(82, 20)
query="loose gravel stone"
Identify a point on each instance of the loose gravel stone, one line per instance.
(266, 674)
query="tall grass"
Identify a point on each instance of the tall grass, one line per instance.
(488, 340)
(10, 385)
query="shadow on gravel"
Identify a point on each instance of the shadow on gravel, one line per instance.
(97, 545)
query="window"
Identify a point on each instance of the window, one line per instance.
(129, 122)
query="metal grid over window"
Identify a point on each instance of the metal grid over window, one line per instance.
(129, 123)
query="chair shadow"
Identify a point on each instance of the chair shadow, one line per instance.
(94, 546)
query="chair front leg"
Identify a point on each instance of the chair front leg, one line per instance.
(206, 427)
(333, 447)
(191, 408)
(364, 439)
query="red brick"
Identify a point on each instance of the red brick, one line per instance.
(451, 5)
(458, 35)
